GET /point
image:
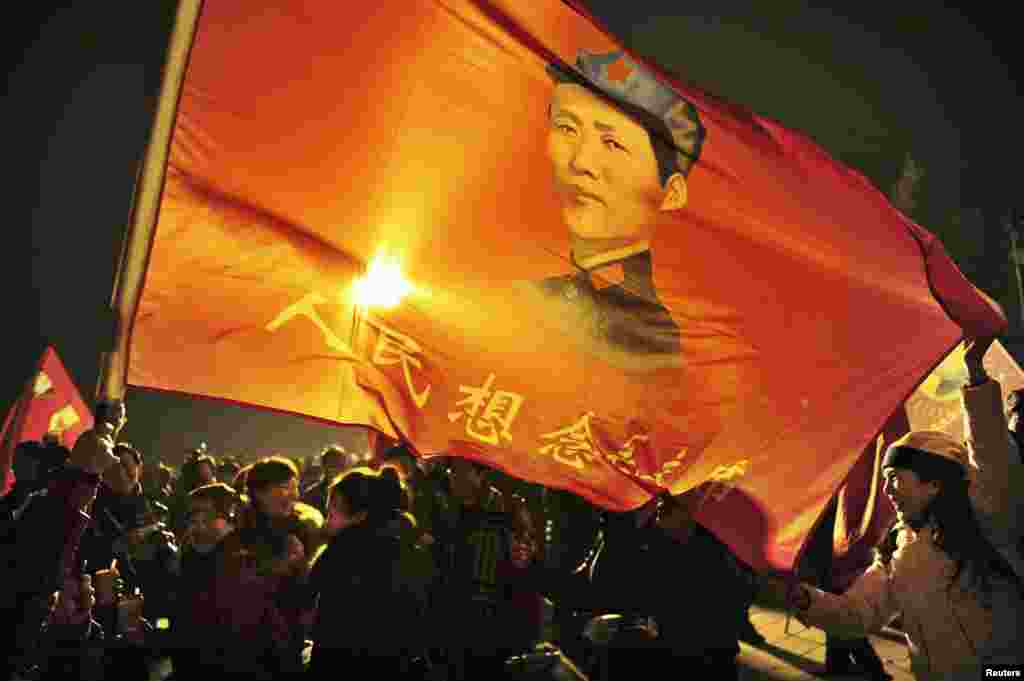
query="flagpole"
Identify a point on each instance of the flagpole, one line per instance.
(138, 240)
(1011, 227)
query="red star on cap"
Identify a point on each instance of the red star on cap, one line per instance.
(609, 275)
(619, 71)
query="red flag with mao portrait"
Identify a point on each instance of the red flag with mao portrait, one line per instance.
(612, 281)
(50, 406)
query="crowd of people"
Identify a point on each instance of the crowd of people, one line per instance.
(441, 568)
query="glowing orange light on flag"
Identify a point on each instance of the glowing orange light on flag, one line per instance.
(383, 286)
(615, 388)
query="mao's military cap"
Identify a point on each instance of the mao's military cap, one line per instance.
(639, 93)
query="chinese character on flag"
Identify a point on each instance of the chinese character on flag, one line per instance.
(732, 306)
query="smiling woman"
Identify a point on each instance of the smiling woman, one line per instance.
(952, 565)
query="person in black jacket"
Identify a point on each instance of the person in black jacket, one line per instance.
(474, 530)
(371, 581)
(34, 465)
(41, 557)
(670, 580)
(211, 518)
(120, 513)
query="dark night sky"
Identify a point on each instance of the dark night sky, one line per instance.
(869, 87)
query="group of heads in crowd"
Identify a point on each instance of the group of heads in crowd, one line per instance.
(355, 494)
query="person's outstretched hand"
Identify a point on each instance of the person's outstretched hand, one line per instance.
(782, 592)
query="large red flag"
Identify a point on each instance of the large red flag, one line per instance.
(50, 405)
(620, 284)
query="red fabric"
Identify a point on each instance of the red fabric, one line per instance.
(808, 308)
(56, 405)
(49, 404)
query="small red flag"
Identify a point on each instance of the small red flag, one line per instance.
(49, 405)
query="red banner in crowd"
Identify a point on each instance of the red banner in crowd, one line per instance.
(49, 406)
(618, 283)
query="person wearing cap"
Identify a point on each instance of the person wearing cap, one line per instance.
(952, 565)
(621, 151)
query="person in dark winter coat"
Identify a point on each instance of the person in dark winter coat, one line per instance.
(212, 511)
(372, 580)
(42, 557)
(121, 528)
(670, 579)
(490, 606)
(253, 609)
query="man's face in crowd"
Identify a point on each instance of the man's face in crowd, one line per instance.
(908, 493)
(278, 501)
(606, 173)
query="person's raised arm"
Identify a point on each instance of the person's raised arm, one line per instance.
(993, 451)
(74, 489)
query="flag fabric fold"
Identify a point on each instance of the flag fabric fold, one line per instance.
(620, 284)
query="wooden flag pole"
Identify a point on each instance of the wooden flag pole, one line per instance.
(138, 240)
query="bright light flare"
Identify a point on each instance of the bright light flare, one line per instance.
(383, 286)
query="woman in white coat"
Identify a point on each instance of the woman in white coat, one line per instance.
(952, 565)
